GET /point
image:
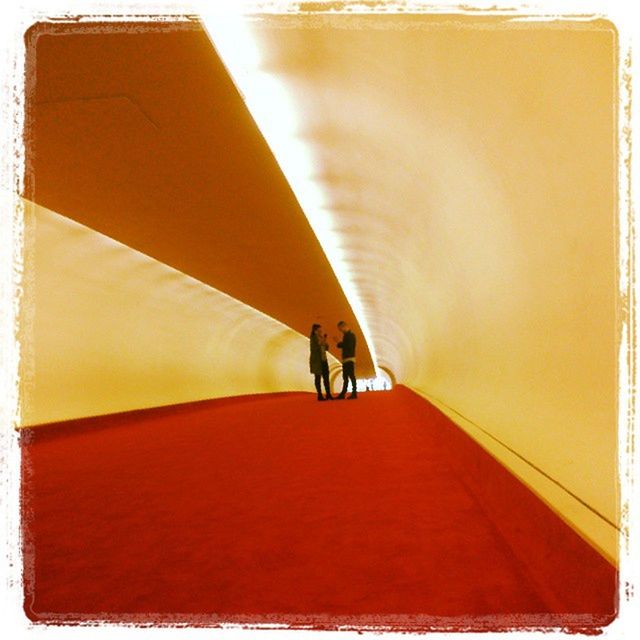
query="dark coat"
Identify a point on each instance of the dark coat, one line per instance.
(315, 355)
(348, 345)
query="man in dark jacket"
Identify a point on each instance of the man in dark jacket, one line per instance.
(348, 347)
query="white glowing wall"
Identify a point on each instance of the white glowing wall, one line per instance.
(108, 329)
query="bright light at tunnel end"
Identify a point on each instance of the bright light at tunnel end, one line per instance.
(276, 115)
(380, 383)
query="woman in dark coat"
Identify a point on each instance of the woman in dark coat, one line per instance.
(318, 364)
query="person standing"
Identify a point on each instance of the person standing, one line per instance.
(348, 347)
(318, 364)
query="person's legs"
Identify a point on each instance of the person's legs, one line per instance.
(325, 378)
(345, 380)
(351, 373)
(316, 380)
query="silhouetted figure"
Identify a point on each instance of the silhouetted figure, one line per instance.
(318, 364)
(348, 347)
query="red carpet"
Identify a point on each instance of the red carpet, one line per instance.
(271, 509)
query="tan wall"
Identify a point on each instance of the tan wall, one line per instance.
(517, 327)
(108, 329)
(472, 169)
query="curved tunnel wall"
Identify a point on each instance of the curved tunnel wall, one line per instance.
(108, 329)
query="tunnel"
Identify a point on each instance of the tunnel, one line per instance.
(199, 192)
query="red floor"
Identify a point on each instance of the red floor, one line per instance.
(284, 509)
